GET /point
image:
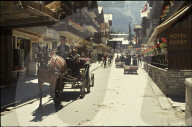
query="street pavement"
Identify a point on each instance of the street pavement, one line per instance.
(26, 89)
(130, 100)
(117, 99)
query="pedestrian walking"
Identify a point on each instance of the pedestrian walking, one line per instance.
(105, 59)
(139, 59)
(110, 58)
(99, 57)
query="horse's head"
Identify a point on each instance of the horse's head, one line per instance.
(43, 55)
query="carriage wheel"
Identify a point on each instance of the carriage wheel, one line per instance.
(92, 79)
(88, 84)
(82, 88)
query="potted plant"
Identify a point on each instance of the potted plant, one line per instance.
(163, 45)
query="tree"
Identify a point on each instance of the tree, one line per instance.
(130, 36)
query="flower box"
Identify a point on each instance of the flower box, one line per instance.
(163, 50)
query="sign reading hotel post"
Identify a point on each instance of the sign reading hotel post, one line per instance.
(179, 39)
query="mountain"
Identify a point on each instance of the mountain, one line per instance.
(123, 12)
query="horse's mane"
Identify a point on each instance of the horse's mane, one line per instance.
(57, 63)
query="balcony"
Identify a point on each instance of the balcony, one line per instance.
(173, 9)
(72, 29)
(91, 26)
(92, 12)
(24, 14)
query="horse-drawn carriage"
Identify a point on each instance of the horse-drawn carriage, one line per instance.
(59, 72)
(119, 62)
(131, 69)
(78, 76)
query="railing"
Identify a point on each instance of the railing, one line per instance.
(66, 27)
(90, 22)
(159, 60)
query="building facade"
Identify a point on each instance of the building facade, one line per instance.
(169, 50)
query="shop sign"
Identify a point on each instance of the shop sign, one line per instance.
(179, 39)
(49, 33)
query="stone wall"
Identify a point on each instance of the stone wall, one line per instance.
(188, 102)
(171, 82)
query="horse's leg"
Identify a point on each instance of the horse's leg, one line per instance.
(60, 83)
(59, 89)
(52, 88)
(40, 84)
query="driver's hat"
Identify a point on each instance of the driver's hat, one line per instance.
(63, 37)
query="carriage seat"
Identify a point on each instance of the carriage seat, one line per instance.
(73, 64)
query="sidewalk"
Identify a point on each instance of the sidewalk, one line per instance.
(174, 102)
(168, 103)
(26, 89)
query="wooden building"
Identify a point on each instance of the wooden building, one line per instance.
(19, 14)
(168, 57)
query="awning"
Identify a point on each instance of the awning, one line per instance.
(54, 5)
(81, 46)
(94, 44)
(26, 14)
(102, 46)
(166, 24)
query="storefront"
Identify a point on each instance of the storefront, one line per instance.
(169, 53)
(21, 53)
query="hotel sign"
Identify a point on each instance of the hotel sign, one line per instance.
(179, 39)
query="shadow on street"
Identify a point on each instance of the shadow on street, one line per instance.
(51, 108)
(20, 91)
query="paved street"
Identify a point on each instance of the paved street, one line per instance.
(116, 99)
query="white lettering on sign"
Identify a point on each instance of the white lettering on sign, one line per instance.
(178, 36)
(49, 33)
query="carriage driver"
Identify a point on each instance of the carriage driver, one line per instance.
(63, 49)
